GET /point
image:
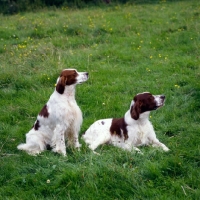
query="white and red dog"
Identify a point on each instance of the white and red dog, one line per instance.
(60, 118)
(131, 131)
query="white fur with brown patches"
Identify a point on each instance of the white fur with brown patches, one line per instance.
(137, 126)
(60, 119)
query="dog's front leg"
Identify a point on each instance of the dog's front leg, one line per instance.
(157, 143)
(73, 137)
(59, 141)
(76, 143)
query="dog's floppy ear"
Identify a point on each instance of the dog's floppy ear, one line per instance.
(136, 110)
(60, 86)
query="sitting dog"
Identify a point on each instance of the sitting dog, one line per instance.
(131, 131)
(60, 118)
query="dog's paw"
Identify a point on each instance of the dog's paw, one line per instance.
(96, 153)
(33, 153)
(166, 149)
(60, 151)
(78, 146)
(138, 151)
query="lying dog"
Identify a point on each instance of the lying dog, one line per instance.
(131, 131)
(60, 118)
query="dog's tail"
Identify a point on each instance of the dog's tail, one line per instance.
(24, 147)
(31, 149)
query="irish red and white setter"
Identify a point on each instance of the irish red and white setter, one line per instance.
(130, 131)
(60, 119)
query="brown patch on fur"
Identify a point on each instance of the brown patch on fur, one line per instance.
(135, 110)
(36, 125)
(118, 127)
(60, 86)
(67, 77)
(44, 112)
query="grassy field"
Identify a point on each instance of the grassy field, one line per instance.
(126, 49)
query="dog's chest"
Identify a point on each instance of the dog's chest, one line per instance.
(71, 111)
(64, 110)
(138, 133)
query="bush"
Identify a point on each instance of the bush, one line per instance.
(13, 7)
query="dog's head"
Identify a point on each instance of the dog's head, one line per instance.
(70, 77)
(144, 102)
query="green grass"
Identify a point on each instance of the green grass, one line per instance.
(126, 49)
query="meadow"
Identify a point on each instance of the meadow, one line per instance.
(126, 49)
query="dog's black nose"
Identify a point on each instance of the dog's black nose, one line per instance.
(162, 96)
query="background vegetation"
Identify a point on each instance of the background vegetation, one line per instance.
(11, 7)
(126, 49)
(15, 6)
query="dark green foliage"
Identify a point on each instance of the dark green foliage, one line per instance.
(15, 6)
